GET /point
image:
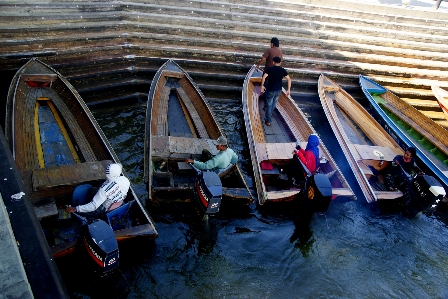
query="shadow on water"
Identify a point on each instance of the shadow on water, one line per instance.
(354, 250)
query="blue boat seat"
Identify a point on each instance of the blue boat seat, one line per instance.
(79, 194)
(116, 218)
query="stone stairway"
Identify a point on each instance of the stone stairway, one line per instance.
(111, 49)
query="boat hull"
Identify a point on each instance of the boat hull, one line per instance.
(180, 124)
(271, 147)
(369, 149)
(406, 125)
(57, 145)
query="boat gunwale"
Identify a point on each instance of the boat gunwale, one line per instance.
(344, 141)
(261, 189)
(148, 126)
(88, 118)
(252, 144)
(400, 134)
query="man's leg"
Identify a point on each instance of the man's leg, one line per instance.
(275, 101)
(263, 95)
(269, 100)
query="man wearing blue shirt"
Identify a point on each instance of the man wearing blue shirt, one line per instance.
(222, 160)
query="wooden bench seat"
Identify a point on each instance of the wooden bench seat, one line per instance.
(39, 77)
(46, 178)
(276, 151)
(378, 153)
(165, 146)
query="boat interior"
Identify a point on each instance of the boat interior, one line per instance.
(54, 156)
(184, 132)
(429, 137)
(275, 144)
(370, 148)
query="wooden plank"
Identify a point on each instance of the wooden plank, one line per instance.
(167, 145)
(278, 151)
(254, 110)
(368, 152)
(39, 77)
(197, 120)
(342, 191)
(442, 123)
(172, 74)
(422, 124)
(388, 195)
(162, 112)
(275, 195)
(46, 178)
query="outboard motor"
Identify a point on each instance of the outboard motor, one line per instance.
(318, 192)
(208, 190)
(423, 196)
(99, 240)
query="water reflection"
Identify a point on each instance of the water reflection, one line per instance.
(355, 250)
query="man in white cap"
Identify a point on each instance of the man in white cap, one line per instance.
(111, 193)
(224, 158)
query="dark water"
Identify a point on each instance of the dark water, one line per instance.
(355, 250)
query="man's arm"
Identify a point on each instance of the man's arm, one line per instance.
(234, 158)
(262, 82)
(288, 92)
(210, 164)
(96, 202)
(261, 61)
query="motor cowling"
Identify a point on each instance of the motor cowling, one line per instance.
(319, 192)
(101, 244)
(208, 189)
(425, 194)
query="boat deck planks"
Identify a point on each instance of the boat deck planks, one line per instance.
(162, 117)
(255, 113)
(193, 113)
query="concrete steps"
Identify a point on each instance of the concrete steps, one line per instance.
(112, 49)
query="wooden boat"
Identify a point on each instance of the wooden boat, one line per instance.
(57, 145)
(179, 125)
(442, 98)
(369, 149)
(409, 127)
(274, 144)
